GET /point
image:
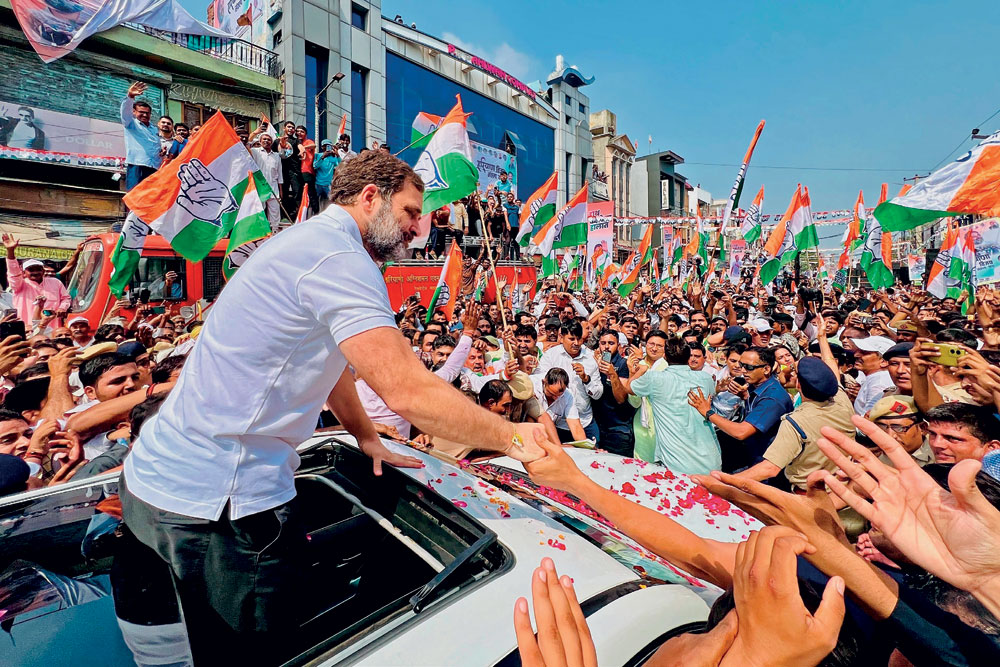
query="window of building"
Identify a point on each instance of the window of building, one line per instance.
(197, 114)
(359, 17)
(569, 101)
(568, 119)
(569, 170)
(359, 99)
(582, 109)
(276, 39)
(317, 68)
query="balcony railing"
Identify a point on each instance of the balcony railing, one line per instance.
(236, 51)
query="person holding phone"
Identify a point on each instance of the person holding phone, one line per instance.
(29, 284)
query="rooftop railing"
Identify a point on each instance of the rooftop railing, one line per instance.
(230, 50)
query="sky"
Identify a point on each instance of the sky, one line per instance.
(854, 93)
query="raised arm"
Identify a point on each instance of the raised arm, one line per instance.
(708, 559)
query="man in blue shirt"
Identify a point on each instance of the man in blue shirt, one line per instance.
(765, 402)
(143, 149)
(325, 163)
(503, 185)
(513, 209)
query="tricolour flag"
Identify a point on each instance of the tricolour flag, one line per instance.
(698, 245)
(951, 273)
(734, 195)
(342, 128)
(445, 165)
(781, 245)
(193, 200)
(449, 285)
(751, 223)
(550, 267)
(127, 252)
(852, 235)
(423, 128)
(303, 213)
(646, 246)
(967, 185)
(876, 250)
(539, 208)
(249, 231)
(567, 228)
(629, 274)
(802, 224)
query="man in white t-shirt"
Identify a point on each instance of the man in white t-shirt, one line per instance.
(209, 483)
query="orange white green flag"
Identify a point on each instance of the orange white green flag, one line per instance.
(423, 128)
(449, 285)
(445, 165)
(538, 209)
(966, 186)
(781, 248)
(752, 228)
(876, 250)
(250, 230)
(734, 195)
(193, 200)
(567, 228)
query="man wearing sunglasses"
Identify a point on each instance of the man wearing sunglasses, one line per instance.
(765, 402)
(899, 417)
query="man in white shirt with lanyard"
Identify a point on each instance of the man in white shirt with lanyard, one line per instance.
(209, 483)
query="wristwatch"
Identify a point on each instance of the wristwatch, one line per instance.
(710, 412)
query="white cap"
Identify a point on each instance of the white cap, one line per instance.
(760, 324)
(874, 344)
(32, 262)
(78, 318)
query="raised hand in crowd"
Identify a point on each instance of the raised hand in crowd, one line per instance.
(953, 534)
(13, 350)
(563, 638)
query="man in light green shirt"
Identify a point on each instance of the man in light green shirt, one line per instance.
(685, 440)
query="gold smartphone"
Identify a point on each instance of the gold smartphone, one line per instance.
(948, 354)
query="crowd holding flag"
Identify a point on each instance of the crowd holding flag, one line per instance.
(795, 227)
(734, 195)
(567, 228)
(194, 200)
(445, 165)
(876, 253)
(751, 229)
(951, 273)
(698, 245)
(539, 208)
(449, 285)
(249, 231)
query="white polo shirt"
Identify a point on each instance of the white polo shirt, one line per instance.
(561, 409)
(255, 383)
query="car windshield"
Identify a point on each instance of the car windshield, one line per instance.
(86, 276)
(64, 566)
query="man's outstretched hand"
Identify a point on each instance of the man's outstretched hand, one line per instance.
(531, 437)
(563, 638)
(380, 454)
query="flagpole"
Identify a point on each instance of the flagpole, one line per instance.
(489, 254)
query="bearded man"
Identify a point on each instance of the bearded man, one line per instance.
(209, 485)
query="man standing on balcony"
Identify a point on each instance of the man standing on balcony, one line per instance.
(143, 150)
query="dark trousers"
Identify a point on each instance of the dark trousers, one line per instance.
(238, 581)
(513, 248)
(291, 193)
(621, 442)
(309, 186)
(136, 174)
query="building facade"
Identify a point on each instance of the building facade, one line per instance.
(614, 155)
(573, 151)
(67, 184)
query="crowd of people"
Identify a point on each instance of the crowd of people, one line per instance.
(861, 426)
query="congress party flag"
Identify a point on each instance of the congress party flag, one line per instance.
(55, 28)
(193, 200)
(445, 165)
(734, 195)
(966, 186)
(250, 230)
(646, 246)
(853, 233)
(303, 212)
(781, 247)
(342, 129)
(128, 250)
(876, 251)
(751, 228)
(423, 129)
(951, 273)
(698, 245)
(449, 285)
(567, 228)
(539, 208)
(629, 274)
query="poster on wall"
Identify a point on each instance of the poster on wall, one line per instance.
(600, 239)
(40, 135)
(986, 237)
(917, 265)
(244, 19)
(490, 162)
(56, 27)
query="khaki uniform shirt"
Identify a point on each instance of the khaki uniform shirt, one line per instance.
(800, 456)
